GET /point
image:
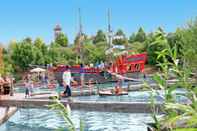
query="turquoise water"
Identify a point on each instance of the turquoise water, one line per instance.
(47, 120)
(134, 96)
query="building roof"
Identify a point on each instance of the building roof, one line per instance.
(57, 27)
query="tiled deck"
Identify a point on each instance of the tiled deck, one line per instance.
(19, 100)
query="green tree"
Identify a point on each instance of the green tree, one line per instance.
(39, 58)
(177, 39)
(94, 53)
(138, 47)
(62, 40)
(120, 38)
(140, 36)
(79, 38)
(132, 38)
(189, 44)
(8, 66)
(41, 55)
(157, 42)
(23, 54)
(27, 40)
(100, 37)
(39, 43)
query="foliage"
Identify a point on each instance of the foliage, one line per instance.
(185, 129)
(26, 52)
(94, 53)
(120, 38)
(100, 37)
(23, 54)
(157, 43)
(8, 68)
(62, 40)
(140, 36)
(138, 47)
(190, 44)
(61, 55)
(175, 112)
(65, 112)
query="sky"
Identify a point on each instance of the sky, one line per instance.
(37, 18)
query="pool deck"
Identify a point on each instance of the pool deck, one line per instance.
(37, 101)
(42, 100)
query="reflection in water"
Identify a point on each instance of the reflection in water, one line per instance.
(46, 120)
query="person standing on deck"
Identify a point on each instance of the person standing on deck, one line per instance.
(7, 85)
(28, 85)
(1, 85)
(82, 76)
(67, 82)
(26, 88)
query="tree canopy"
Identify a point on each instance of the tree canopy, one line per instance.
(100, 37)
(21, 54)
(62, 40)
(120, 38)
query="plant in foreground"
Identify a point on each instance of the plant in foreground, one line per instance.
(176, 115)
(65, 112)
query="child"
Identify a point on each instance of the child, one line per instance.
(27, 86)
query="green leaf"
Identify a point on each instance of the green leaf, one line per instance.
(160, 81)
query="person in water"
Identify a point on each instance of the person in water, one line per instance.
(118, 87)
(117, 90)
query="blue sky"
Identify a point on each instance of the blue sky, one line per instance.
(37, 18)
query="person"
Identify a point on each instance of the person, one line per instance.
(7, 85)
(12, 85)
(46, 79)
(102, 65)
(28, 86)
(90, 85)
(67, 82)
(1, 85)
(27, 94)
(117, 90)
(82, 74)
(118, 87)
(39, 76)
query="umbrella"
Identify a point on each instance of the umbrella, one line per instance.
(37, 70)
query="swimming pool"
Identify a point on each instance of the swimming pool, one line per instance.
(48, 120)
(133, 96)
(136, 96)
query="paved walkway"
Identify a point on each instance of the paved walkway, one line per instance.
(18, 100)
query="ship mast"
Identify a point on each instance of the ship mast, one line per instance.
(109, 29)
(81, 38)
(80, 23)
(79, 41)
(109, 50)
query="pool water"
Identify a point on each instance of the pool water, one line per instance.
(135, 96)
(48, 120)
